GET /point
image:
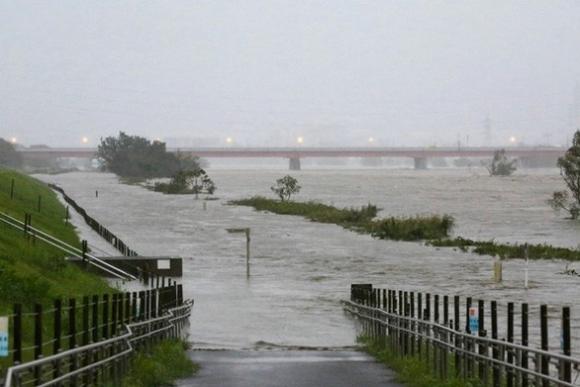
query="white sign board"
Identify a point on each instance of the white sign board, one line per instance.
(163, 264)
(3, 336)
(474, 320)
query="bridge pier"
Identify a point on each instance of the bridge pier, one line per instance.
(294, 164)
(420, 163)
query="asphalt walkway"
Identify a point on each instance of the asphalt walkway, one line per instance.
(288, 368)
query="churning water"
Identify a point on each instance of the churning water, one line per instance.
(300, 269)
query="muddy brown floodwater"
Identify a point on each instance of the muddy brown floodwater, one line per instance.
(300, 269)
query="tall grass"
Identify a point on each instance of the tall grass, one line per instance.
(509, 251)
(361, 219)
(166, 362)
(413, 371)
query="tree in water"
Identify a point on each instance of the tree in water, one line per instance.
(501, 165)
(286, 187)
(200, 182)
(193, 181)
(570, 170)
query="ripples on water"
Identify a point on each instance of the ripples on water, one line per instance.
(300, 269)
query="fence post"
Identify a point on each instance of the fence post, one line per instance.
(545, 360)
(37, 341)
(86, 335)
(17, 355)
(565, 366)
(419, 323)
(56, 345)
(495, 350)
(72, 331)
(510, 339)
(457, 328)
(524, 354)
(95, 318)
(12, 189)
(436, 349)
(114, 314)
(427, 317)
(106, 321)
(445, 350)
(481, 346)
(412, 326)
(467, 342)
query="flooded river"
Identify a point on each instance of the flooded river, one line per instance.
(300, 269)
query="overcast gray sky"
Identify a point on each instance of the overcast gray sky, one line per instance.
(265, 72)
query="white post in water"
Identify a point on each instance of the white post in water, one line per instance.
(245, 230)
(497, 270)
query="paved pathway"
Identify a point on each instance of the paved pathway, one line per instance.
(291, 368)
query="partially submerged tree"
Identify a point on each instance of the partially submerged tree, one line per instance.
(286, 187)
(200, 182)
(570, 170)
(9, 157)
(194, 181)
(500, 164)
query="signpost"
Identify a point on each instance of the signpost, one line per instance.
(473, 320)
(3, 336)
(245, 230)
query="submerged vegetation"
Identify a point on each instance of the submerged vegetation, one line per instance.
(359, 219)
(500, 164)
(194, 181)
(434, 229)
(508, 251)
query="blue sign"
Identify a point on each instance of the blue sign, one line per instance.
(3, 336)
(473, 320)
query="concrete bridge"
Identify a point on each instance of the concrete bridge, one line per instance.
(529, 156)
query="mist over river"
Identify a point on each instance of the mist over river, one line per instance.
(301, 269)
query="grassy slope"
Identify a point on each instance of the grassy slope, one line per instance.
(36, 272)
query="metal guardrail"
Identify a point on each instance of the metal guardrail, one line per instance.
(84, 365)
(388, 317)
(65, 247)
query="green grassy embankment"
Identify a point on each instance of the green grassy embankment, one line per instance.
(34, 272)
(359, 219)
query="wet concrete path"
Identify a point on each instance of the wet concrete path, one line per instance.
(290, 368)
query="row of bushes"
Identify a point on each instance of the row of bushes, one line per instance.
(360, 219)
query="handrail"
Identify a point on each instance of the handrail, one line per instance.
(128, 337)
(61, 245)
(400, 324)
(460, 334)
